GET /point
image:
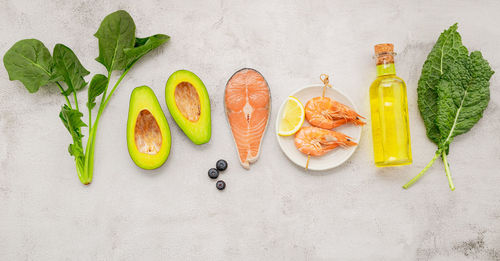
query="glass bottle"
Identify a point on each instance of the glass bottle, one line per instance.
(389, 112)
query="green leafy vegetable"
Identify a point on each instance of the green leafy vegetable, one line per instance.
(453, 92)
(447, 52)
(96, 87)
(117, 32)
(70, 68)
(72, 121)
(144, 46)
(30, 62)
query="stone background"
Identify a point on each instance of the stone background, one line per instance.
(275, 211)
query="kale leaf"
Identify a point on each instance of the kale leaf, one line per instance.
(453, 92)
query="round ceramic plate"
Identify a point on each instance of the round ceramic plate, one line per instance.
(333, 158)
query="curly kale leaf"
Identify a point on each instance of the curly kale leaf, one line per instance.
(461, 103)
(444, 56)
(453, 92)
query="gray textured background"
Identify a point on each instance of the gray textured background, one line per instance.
(275, 211)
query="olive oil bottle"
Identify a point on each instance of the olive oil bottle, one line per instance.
(389, 112)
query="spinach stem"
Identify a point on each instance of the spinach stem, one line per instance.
(80, 170)
(76, 100)
(413, 180)
(116, 85)
(89, 158)
(80, 167)
(65, 96)
(90, 119)
(89, 150)
(447, 169)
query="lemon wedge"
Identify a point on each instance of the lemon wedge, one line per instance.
(293, 117)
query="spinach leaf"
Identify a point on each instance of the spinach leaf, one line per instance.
(70, 68)
(461, 104)
(143, 46)
(29, 61)
(72, 121)
(116, 32)
(96, 87)
(447, 52)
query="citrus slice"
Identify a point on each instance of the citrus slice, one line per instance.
(293, 117)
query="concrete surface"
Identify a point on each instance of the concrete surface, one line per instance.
(275, 211)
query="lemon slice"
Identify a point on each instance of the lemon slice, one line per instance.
(293, 117)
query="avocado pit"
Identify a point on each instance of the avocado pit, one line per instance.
(188, 101)
(148, 138)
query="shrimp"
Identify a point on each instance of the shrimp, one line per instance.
(314, 141)
(326, 113)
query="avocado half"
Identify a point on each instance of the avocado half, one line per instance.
(188, 102)
(148, 134)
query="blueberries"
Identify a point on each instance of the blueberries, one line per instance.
(221, 165)
(213, 173)
(221, 185)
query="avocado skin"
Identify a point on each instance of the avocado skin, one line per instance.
(198, 132)
(144, 98)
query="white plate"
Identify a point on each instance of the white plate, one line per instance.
(333, 158)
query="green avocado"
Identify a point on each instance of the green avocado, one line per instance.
(148, 134)
(188, 102)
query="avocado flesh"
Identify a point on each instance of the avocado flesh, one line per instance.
(188, 103)
(148, 133)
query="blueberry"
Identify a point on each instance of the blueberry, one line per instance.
(220, 185)
(213, 173)
(221, 165)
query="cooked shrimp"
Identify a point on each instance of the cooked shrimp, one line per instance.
(314, 141)
(326, 113)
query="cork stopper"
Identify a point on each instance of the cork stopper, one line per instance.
(384, 53)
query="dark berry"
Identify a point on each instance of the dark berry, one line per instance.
(221, 165)
(213, 173)
(220, 185)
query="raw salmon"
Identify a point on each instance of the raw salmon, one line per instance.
(247, 101)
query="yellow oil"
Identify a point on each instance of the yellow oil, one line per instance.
(389, 118)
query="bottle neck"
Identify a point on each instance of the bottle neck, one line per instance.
(386, 69)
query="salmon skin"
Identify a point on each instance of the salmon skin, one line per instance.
(247, 102)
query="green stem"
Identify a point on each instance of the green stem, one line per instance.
(80, 169)
(65, 96)
(89, 150)
(447, 169)
(90, 119)
(79, 161)
(89, 159)
(116, 85)
(407, 185)
(76, 100)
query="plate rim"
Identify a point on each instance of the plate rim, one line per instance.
(278, 137)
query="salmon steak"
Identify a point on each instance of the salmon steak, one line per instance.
(247, 103)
